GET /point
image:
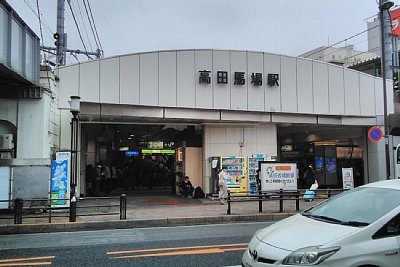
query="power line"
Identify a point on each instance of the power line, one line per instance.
(90, 22)
(344, 40)
(84, 25)
(94, 24)
(77, 27)
(42, 20)
(41, 36)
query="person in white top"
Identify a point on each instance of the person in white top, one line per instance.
(223, 186)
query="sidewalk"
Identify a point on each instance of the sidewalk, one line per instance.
(150, 209)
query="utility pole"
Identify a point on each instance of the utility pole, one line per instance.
(61, 39)
(386, 66)
(59, 35)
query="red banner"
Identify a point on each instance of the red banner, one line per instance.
(395, 18)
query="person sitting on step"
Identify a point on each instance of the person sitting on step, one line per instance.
(186, 187)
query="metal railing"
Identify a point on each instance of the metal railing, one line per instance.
(43, 208)
(278, 195)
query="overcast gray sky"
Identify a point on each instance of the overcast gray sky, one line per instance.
(289, 27)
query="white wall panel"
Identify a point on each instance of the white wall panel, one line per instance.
(304, 86)
(250, 135)
(89, 82)
(256, 98)
(148, 79)
(129, 79)
(186, 94)
(234, 135)
(272, 65)
(288, 84)
(217, 135)
(69, 84)
(367, 95)
(238, 92)
(389, 96)
(320, 85)
(109, 80)
(378, 97)
(222, 92)
(167, 73)
(351, 93)
(336, 90)
(204, 91)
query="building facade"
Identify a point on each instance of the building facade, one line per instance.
(245, 102)
(27, 138)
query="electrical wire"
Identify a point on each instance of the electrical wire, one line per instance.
(344, 40)
(43, 20)
(41, 36)
(94, 24)
(84, 25)
(346, 59)
(91, 25)
(79, 31)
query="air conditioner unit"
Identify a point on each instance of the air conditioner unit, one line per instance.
(6, 141)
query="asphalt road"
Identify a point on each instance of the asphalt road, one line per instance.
(201, 245)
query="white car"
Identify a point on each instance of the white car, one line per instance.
(357, 228)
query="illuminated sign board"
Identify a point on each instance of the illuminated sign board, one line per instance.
(158, 151)
(132, 153)
(155, 145)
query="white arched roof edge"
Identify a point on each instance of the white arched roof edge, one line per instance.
(74, 71)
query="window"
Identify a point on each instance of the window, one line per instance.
(392, 228)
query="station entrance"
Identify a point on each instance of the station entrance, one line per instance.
(327, 149)
(133, 158)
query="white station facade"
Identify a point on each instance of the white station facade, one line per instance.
(241, 102)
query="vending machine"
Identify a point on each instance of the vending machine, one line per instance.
(253, 167)
(237, 173)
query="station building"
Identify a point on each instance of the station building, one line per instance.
(179, 110)
(224, 103)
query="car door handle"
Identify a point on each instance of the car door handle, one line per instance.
(391, 253)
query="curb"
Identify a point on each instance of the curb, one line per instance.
(9, 229)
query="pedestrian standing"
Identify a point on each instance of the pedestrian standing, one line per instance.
(114, 177)
(223, 186)
(97, 185)
(107, 176)
(309, 177)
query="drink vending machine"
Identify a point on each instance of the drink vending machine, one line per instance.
(253, 167)
(237, 173)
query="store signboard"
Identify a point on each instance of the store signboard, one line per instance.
(276, 175)
(348, 178)
(60, 179)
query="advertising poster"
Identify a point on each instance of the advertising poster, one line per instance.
(278, 175)
(60, 179)
(348, 179)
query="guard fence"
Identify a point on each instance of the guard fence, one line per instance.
(37, 208)
(278, 195)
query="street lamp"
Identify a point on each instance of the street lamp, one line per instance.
(75, 109)
(384, 6)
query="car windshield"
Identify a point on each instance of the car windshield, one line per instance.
(357, 207)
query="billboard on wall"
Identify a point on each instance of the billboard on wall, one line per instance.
(278, 175)
(395, 19)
